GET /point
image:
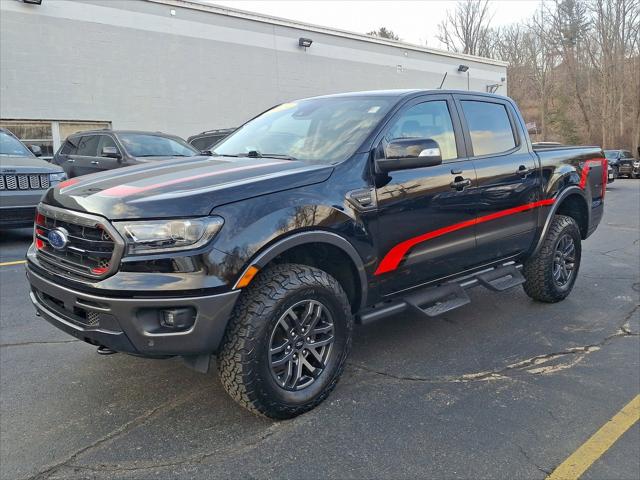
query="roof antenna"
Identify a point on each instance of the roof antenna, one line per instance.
(443, 79)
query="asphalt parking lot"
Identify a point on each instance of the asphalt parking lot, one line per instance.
(501, 388)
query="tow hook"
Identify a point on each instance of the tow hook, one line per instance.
(102, 350)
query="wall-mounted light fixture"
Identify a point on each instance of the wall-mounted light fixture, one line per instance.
(304, 42)
(463, 69)
(33, 2)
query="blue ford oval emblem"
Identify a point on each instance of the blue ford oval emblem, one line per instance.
(58, 238)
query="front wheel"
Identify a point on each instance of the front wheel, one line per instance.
(551, 273)
(287, 341)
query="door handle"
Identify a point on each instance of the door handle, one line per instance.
(523, 171)
(459, 183)
(70, 160)
(94, 162)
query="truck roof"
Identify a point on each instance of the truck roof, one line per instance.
(391, 93)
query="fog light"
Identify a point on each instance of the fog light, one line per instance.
(178, 318)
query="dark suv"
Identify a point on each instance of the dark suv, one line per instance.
(312, 216)
(98, 150)
(623, 163)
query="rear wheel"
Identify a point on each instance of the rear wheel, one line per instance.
(287, 341)
(551, 273)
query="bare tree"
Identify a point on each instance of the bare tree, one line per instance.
(467, 28)
(384, 32)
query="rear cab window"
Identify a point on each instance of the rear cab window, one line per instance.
(489, 126)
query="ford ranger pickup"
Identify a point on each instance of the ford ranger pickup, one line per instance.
(316, 215)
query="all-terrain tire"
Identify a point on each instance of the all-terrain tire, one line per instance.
(244, 361)
(538, 270)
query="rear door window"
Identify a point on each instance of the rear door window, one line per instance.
(88, 146)
(70, 147)
(489, 127)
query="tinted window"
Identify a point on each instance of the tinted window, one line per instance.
(427, 120)
(611, 154)
(106, 141)
(203, 142)
(627, 154)
(88, 145)
(489, 127)
(318, 130)
(144, 145)
(69, 147)
(10, 146)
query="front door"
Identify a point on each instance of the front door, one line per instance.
(508, 191)
(425, 215)
(104, 162)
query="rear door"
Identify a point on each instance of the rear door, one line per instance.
(425, 216)
(508, 177)
(85, 157)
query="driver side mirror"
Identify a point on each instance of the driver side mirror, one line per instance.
(110, 152)
(36, 150)
(406, 153)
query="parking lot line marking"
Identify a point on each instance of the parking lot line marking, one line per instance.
(16, 262)
(579, 461)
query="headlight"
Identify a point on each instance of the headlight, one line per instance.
(157, 236)
(55, 178)
(636, 164)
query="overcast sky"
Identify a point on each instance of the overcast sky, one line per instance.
(415, 21)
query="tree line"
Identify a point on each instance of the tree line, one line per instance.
(574, 65)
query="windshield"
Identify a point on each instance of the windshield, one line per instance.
(320, 130)
(611, 154)
(142, 145)
(12, 147)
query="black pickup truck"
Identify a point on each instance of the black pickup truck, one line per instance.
(315, 215)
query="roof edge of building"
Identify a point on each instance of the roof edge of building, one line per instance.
(260, 17)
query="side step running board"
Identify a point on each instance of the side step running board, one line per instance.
(501, 279)
(436, 300)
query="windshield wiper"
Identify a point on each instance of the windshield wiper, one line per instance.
(257, 154)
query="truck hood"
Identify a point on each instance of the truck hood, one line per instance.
(181, 187)
(15, 165)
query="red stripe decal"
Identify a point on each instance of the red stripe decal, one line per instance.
(126, 190)
(392, 259)
(68, 183)
(584, 174)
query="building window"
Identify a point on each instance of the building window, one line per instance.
(49, 134)
(32, 133)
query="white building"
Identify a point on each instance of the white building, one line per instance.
(183, 67)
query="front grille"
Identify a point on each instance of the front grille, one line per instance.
(91, 250)
(34, 181)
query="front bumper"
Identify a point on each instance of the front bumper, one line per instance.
(628, 169)
(131, 324)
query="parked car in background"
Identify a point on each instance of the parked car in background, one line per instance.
(611, 174)
(98, 150)
(206, 140)
(623, 163)
(23, 180)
